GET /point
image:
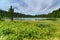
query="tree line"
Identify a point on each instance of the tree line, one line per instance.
(11, 14)
(54, 14)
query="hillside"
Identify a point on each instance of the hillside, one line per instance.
(16, 14)
(54, 14)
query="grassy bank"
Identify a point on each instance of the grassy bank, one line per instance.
(30, 30)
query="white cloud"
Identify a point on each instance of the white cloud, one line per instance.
(31, 6)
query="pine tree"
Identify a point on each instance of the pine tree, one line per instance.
(11, 12)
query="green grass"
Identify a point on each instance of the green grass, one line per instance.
(30, 30)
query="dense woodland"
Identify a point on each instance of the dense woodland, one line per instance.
(7, 14)
(54, 14)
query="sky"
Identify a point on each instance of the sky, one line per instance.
(31, 7)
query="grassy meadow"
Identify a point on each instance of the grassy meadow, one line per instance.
(30, 30)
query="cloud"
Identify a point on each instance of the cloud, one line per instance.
(31, 7)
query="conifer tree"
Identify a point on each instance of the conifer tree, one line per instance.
(11, 12)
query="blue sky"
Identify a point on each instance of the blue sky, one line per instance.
(31, 7)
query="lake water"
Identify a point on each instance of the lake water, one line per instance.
(35, 19)
(30, 18)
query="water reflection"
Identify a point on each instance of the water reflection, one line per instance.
(34, 19)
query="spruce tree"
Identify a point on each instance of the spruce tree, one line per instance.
(11, 12)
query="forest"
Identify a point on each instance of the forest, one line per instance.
(6, 14)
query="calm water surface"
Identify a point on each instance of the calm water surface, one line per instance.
(30, 18)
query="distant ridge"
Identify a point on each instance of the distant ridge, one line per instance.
(54, 14)
(16, 14)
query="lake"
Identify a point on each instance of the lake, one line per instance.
(34, 19)
(30, 18)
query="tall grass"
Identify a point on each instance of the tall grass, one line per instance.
(29, 30)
